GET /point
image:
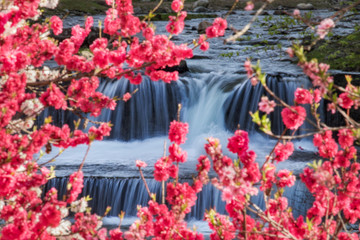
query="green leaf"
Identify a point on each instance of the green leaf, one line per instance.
(256, 118)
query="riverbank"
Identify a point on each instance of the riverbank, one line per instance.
(90, 7)
(342, 53)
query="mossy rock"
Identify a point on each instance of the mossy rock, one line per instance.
(341, 53)
(78, 7)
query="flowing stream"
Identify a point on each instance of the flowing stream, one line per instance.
(216, 98)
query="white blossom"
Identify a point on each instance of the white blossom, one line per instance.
(49, 3)
(61, 230)
(37, 190)
(11, 29)
(30, 74)
(2, 205)
(31, 107)
(64, 212)
(79, 205)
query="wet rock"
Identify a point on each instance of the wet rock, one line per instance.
(202, 26)
(200, 57)
(94, 34)
(201, 3)
(279, 12)
(137, 10)
(201, 9)
(175, 38)
(66, 33)
(305, 6)
(102, 3)
(263, 13)
(165, 10)
(181, 68)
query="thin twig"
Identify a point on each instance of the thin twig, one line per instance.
(350, 120)
(231, 9)
(144, 180)
(178, 112)
(52, 159)
(163, 182)
(308, 134)
(272, 151)
(279, 227)
(79, 75)
(344, 226)
(83, 161)
(247, 27)
(244, 224)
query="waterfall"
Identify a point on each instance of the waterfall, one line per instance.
(126, 194)
(245, 99)
(148, 113)
(215, 100)
(212, 103)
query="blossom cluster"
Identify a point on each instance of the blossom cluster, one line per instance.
(158, 220)
(28, 86)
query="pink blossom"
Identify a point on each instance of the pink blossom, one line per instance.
(50, 216)
(296, 12)
(291, 52)
(217, 29)
(177, 5)
(126, 97)
(176, 154)
(344, 101)
(176, 24)
(239, 142)
(266, 105)
(162, 169)
(303, 96)
(75, 185)
(56, 25)
(99, 133)
(148, 33)
(204, 46)
(317, 95)
(249, 6)
(53, 97)
(254, 81)
(324, 27)
(346, 138)
(331, 107)
(178, 131)
(293, 118)
(248, 68)
(140, 164)
(283, 152)
(286, 178)
(269, 176)
(326, 144)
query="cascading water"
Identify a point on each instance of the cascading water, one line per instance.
(146, 114)
(126, 194)
(211, 103)
(215, 99)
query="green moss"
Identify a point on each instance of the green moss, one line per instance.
(293, 3)
(79, 7)
(341, 54)
(165, 16)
